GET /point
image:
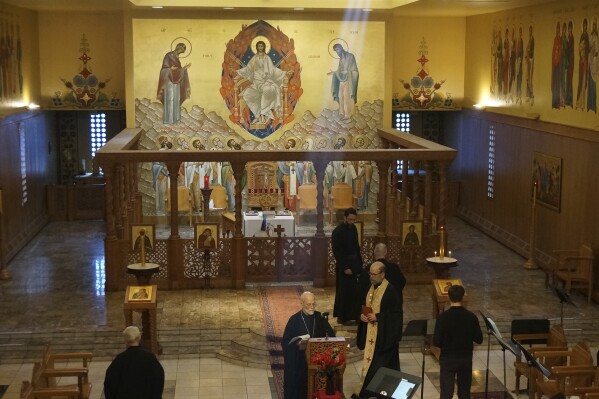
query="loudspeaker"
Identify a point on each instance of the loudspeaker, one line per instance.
(388, 383)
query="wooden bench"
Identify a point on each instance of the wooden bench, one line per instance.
(45, 373)
(29, 392)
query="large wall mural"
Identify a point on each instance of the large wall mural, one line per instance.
(11, 55)
(285, 86)
(261, 82)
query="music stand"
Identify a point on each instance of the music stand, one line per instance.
(564, 297)
(389, 383)
(532, 361)
(413, 329)
(494, 331)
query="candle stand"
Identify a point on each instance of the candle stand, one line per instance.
(206, 192)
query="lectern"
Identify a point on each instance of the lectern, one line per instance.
(317, 381)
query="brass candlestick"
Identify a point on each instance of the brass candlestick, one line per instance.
(531, 263)
(442, 243)
(206, 192)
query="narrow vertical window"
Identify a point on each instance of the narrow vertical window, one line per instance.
(401, 122)
(23, 158)
(97, 129)
(491, 165)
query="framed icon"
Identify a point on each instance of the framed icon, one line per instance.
(141, 293)
(145, 233)
(411, 232)
(206, 236)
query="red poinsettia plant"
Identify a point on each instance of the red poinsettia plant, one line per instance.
(329, 361)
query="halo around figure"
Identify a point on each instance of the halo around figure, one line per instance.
(332, 44)
(261, 38)
(185, 41)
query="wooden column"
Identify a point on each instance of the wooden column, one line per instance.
(392, 220)
(383, 167)
(404, 190)
(239, 243)
(123, 200)
(428, 189)
(175, 257)
(138, 205)
(111, 246)
(443, 193)
(116, 200)
(415, 190)
(319, 242)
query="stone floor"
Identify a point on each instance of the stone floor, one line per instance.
(57, 296)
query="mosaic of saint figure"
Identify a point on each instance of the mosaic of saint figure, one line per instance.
(261, 79)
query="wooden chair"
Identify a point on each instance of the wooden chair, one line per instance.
(219, 197)
(577, 373)
(29, 392)
(342, 197)
(592, 391)
(306, 199)
(45, 373)
(531, 332)
(574, 269)
(183, 201)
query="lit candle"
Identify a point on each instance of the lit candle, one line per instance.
(534, 195)
(450, 254)
(435, 254)
(206, 181)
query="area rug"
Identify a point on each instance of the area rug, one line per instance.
(278, 304)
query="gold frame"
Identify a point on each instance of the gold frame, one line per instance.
(150, 233)
(360, 228)
(133, 292)
(199, 229)
(547, 173)
(444, 284)
(405, 228)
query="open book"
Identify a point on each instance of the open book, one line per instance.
(301, 341)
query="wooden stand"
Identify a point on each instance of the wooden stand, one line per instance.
(316, 382)
(206, 192)
(440, 297)
(147, 308)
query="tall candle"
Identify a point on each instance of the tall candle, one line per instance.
(142, 247)
(206, 181)
(442, 243)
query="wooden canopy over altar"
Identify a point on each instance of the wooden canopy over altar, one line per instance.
(240, 259)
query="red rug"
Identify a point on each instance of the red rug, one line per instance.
(278, 304)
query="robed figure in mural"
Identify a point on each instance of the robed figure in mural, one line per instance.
(556, 76)
(593, 68)
(345, 81)
(583, 67)
(173, 84)
(263, 95)
(530, 64)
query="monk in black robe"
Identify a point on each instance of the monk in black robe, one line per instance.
(379, 331)
(348, 259)
(134, 373)
(305, 322)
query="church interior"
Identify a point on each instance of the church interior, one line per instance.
(203, 154)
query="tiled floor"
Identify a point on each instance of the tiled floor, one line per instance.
(57, 296)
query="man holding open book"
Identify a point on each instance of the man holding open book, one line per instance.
(303, 325)
(379, 331)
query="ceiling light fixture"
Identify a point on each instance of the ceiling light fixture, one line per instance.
(367, 9)
(156, 7)
(298, 8)
(228, 8)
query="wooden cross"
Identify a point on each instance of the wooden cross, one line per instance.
(371, 341)
(279, 230)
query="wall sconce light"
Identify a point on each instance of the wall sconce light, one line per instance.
(480, 107)
(533, 115)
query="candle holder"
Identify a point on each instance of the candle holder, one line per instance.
(206, 192)
(442, 243)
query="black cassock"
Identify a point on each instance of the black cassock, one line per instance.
(296, 368)
(386, 348)
(346, 250)
(134, 374)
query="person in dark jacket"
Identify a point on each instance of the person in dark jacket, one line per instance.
(455, 331)
(348, 259)
(134, 373)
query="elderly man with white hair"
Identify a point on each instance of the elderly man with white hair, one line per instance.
(134, 373)
(305, 322)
